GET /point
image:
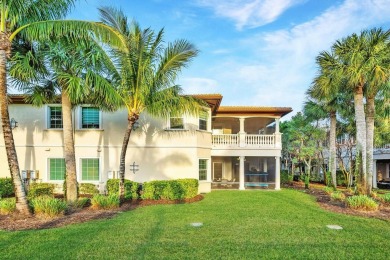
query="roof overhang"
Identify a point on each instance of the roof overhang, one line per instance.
(213, 100)
(253, 111)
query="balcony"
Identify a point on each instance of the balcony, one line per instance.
(246, 140)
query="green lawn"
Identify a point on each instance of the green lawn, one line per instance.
(237, 225)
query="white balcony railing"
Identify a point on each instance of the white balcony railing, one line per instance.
(260, 140)
(247, 140)
(226, 140)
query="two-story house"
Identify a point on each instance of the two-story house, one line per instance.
(223, 147)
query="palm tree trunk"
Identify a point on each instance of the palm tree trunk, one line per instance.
(332, 148)
(20, 194)
(361, 138)
(70, 158)
(370, 141)
(131, 119)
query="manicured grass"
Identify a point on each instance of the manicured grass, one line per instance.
(237, 225)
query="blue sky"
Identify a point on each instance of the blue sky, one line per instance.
(253, 52)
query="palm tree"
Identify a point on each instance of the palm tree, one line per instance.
(377, 50)
(35, 20)
(75, 73)
(145, 72)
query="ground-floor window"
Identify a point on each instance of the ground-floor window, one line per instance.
(90, 169)
(202, 169)
(56, 169)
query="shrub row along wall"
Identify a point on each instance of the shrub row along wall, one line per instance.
(6, 188)
(171, 190)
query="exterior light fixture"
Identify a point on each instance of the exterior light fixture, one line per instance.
(13, 123)
(136, 125)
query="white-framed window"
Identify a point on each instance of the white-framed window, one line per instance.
(90, 169)
(54, 117)
(56, 169)
(203, 166)
(176, 123)
(90, 118)
(203, 117)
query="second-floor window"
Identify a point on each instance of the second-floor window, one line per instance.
(90, 117)
(176, 123)
(203, 120)
(55, 117)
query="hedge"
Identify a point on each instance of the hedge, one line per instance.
(131, 188)
(6, 187)
(88, 188)
(171, 189)
(40, 189)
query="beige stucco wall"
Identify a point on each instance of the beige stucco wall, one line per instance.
(160, 153)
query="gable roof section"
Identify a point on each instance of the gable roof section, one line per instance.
(213, 100)
(253, 110)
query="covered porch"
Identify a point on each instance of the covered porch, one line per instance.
(245, 172)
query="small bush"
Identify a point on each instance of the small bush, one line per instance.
(328, 190)
(131, 188)
(171, 190)
(7, 206)
(6, 187)
(385, 197)
(40, 189)
(88, 188)
(337, 196)
(362, 202)
(47, 206)
(105, 202)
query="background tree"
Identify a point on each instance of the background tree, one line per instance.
(144, 72)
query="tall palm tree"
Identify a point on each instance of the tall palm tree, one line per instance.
(34, 20)
(145, 72)
(377, 44)
(75, 72)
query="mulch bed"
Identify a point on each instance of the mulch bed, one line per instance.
(14, 222)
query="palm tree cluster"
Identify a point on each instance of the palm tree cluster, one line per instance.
(355, 72)
(110, 64)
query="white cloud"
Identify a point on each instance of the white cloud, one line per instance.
(283, 62)
(249, 13)
(199, 85)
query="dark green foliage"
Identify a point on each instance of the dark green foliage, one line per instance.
(88, 188)
(285, 178)
(131, 188)
(6, 187)
(340, 178)
(170, 190)
(40, 189)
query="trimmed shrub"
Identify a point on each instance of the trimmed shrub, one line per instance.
(40, 189)
(88, 188)
(131, 188)
(170, 190)
(285, 178)
(361, 202)
(337, 196)
(190, 187)
(7, 206)
(105, 202)
(6, 187)
(47, 206)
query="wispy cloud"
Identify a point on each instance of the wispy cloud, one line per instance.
(249, 13)
(199, 85)
(283, 62)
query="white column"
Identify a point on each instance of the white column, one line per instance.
(277, 125)
(277, 173)
(374, 174)
(242, 172)
(242, 133)
(265, 165)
